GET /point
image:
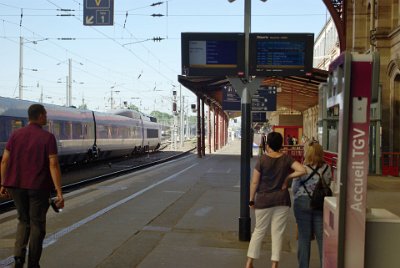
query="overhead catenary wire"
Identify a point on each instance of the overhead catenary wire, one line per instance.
(121, 45)
(72, 53)
(35, 35)
(165, 69)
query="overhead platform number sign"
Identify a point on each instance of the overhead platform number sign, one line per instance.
(98, 12)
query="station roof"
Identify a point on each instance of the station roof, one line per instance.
(296, 92)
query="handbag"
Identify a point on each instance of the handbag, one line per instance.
(320, 192)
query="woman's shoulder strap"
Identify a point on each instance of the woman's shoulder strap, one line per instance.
(314, 171)
(325, 169)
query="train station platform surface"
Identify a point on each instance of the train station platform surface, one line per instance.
(198, 229)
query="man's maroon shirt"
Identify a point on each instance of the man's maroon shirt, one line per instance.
(28, 166)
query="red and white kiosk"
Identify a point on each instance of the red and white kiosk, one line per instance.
(351, 238)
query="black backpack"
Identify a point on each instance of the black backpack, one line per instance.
(321, 190)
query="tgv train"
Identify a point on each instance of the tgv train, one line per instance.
(84, 135)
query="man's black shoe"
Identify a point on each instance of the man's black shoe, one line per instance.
(19, 262)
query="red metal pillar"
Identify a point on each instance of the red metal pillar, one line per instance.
(214, 127)
(225, 130)
(198, 128)
(203, 130)
(209, 128)
(221, 127)
(217, 129)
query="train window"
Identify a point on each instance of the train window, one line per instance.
(125, 132)
(85, 130)
(66, 130)
(136, 133)
(119, 132)
(76, 131)
(16, 124)
(90, 131)
(152, 133)
(56, 129)
(139, 132)
(49, 126)
(69, 130)
(8, 125)
(102, 132)
(114, 132)
(109, 132)
(3, 129)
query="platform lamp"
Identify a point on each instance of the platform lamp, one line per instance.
(246, 146)
(193, 106)
(174, 104)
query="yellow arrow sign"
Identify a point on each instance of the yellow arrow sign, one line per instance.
(89, 19)
(98, 2)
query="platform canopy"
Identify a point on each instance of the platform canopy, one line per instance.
(294, 92)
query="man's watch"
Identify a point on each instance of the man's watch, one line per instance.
(251, 203)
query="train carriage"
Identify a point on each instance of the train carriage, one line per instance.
(152, 134)
(13, 115)
(83, 135)
(117, 135)
(73, 130)
(150, 129)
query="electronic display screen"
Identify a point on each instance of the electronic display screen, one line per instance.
(212, 54)
(259, 117)
(280, 54)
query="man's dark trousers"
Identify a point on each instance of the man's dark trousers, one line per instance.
(32, 207)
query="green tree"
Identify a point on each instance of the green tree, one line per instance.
(192, 120)
(133, 107)
(83, 106)
(161, 117)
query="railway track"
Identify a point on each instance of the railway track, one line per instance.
(77, 177)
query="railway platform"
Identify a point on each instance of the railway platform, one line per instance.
(180, 214)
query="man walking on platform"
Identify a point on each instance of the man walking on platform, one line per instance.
(29, 172)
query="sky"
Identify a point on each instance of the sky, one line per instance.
(123, 60)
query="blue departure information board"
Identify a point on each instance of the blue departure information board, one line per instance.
(212, 54)
(281, 54)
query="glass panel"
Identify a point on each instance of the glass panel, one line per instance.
(16, 124)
